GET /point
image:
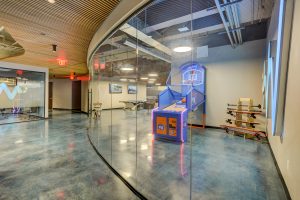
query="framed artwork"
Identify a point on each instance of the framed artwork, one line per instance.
(132, 89)
(115, 88)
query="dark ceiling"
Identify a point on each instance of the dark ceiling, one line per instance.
(160, 22)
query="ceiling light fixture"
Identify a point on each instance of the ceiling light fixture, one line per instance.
(127, 68)
(51, 1)
(153, 74)
(152, 79)
(144, 78)
(54, 46)
(183, 29)
(182, 49)
(157, 84)
(123, 79)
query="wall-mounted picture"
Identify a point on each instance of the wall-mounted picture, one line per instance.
(115, 88)
(132, 89)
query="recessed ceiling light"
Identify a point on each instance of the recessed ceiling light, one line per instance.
(51, 1)
(144, 78)
(150, 82)
(153, 74)
(183, 29)
(127, 68)
(152, 79)
(182, 49)
(123, 79)
(132, 80)
(54, 46)
(158, 84)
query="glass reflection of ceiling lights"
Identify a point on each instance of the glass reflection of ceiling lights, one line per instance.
(153, 74)
(127, 68)
(183, 29)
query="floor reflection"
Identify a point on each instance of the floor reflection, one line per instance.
(52, 159)
(221, 167)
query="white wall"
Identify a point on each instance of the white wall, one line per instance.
(101, 94)
(84, 96)
(287, 148)
(231, 74)
(62, 93)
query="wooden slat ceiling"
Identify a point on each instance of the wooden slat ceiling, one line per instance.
(70, 24)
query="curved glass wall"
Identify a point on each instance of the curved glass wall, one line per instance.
(128, 72)
(162, 49)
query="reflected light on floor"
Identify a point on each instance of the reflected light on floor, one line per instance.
(144, 146)
(126, 174)
(123, 141)
(60, 195)
(149, 158)
(101, 180)
(19, 142)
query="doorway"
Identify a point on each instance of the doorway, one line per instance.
(50, 102)
(76, 95)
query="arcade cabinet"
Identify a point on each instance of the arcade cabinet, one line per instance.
(185, 92)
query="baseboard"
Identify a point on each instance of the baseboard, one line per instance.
(121, 108)
(65, 109)
(286, 190)
(201, 126)
(71, 110)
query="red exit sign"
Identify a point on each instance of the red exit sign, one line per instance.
(62, 62)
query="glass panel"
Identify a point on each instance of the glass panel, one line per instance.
(22, 95)
(124, 106)
(163, 141)
(101, 118)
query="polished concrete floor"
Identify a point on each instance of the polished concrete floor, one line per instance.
(218, 166)
(53, 159)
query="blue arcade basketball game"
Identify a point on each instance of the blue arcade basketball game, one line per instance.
(185, 93)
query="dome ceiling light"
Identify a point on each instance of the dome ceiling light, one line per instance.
(127, 68)
(182, 49)
(51, 1)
